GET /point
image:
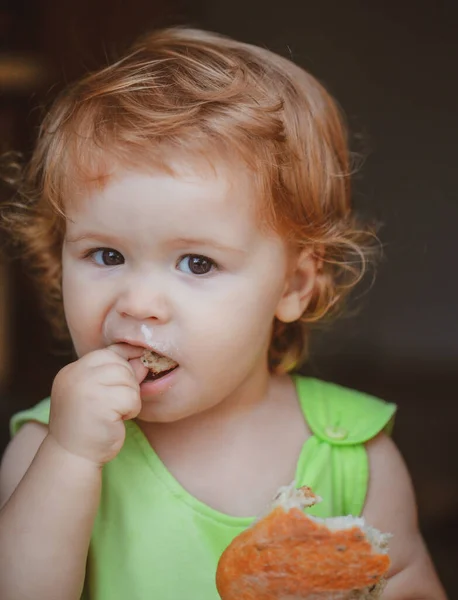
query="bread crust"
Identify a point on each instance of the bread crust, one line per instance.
(288, 555)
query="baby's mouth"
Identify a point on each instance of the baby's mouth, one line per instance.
(158, 365)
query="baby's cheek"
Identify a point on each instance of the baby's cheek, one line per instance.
(231, 343)
(85, 332)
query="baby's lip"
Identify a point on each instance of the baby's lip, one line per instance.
(132, 342)
(144, 348)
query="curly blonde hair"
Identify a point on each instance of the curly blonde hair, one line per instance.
(192, 93)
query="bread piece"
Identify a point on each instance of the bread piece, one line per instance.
(157, 363)
(288, 555)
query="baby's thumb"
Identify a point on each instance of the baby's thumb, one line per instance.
(133, 356)
(140, 371)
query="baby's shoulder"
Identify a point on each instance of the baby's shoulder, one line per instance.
(28, 429)
(18, 457)
(36, 414)
(340, 415)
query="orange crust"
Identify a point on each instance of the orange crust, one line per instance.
(289, 554)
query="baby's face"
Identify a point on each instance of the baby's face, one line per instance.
(178, 264)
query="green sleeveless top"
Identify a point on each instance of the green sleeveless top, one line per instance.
(152, 540)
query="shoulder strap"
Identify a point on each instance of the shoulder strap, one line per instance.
(38, 413)
(341, 416)
(334, 460)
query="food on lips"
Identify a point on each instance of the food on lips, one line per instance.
(157, 363)
(288, 555)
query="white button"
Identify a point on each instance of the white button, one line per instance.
(336, 433)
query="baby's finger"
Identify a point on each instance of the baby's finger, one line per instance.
(132, 354)
(139, 369)
(128, 403)
(126, 351)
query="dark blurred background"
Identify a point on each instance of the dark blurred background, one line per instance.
(393, 68)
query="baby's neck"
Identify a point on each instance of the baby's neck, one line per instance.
(235, 458)
(219, 421)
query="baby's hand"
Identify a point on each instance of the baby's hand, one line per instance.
(91, 398)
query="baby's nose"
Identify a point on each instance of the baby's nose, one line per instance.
(143, 299)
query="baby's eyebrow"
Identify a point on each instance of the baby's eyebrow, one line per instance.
(100, 237)
(207, 242)
(182, 242)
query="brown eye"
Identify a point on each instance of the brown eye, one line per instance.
(107, 257)
(196, 264)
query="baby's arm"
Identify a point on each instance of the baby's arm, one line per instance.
(49, 499)
(391, 506)
(51, 480)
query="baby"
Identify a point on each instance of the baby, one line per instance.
(186, 214)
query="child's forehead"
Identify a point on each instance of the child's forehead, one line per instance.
(218, 177)
(226, 172)
(156, 207)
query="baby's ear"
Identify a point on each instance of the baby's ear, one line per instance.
(299, 286)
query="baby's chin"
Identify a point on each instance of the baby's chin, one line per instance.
(148, 416)
(163, 409)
